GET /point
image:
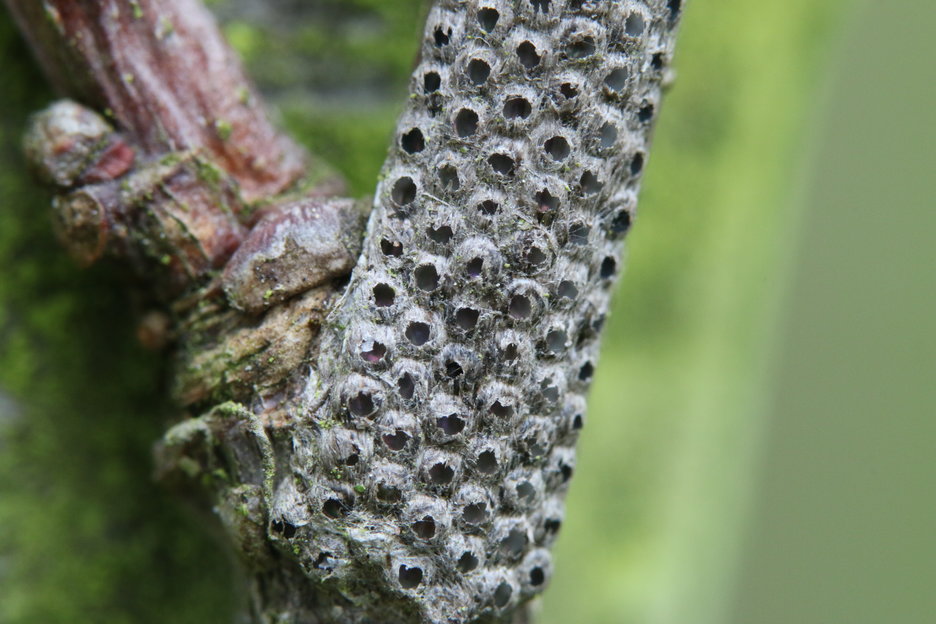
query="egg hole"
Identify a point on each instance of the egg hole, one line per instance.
(333, 508)
(535, 256)
(556, 340)
(502, 595)
(590, 183)
(552, 525)
(578, 233)
(520, 307)
(656, 61)
(500, 410)
(442, 37)
(502, 164)
(637, 163)
(427, 278)
(586, 372)
(425, 528)
(453, 369)
(634, 25)
(384, 295)
(410, 577)
(448, 177)
(566, 472)
(404, 191)
(620, 223)
(487, 462)
(374, 353)
(451, 424)
(405, 386)
(526, 491)
(391, 248)
(478, 71)
(514, 544)
(645, 114)
(413, 141)
(361, 404)
(396, 441)
(389, 493)
(442, 234)
(545, 202)
(567, 290)
(488, 207)
(441, 474)
(568, 90)
(431, 82)
(673, 6)
(487, 18)
(511, 352)
(578, 422)
(352, 459)
(517, 107)
(466, 122)
(475, 513)
(616, 79)
(467, 318)
(540, 5)
(581, 48)
(526, 52)
(607, 135)
(608, 266)
(474, 267)
(558, 148)
(467, 562)
(537, 577)
(417, 333)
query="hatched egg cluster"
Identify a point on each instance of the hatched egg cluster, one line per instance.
(451, 384)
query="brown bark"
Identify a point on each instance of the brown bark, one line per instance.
(164, 74)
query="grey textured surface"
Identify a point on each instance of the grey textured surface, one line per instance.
(431, 451)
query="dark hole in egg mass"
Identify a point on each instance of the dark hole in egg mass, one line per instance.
(527, 54)
(442, 234)
(478, 71)
(333, 508)
(391, 248)
(487, 18)
(431, 82)
(487, 462)
(475, 513)
(466, 318)
(451, 424)
(417, 333)
(474, 267)
(517, 107)
(467, 562)
(502, 595)
(406, 386)
(466, 123)
(413, 141)
(537, 576)
(410, 577)
(396, 441)
(361, 404)
(441, 474)
(384, 295)
(373, 352)
(427, 278)
(404, 191)
(442, 37)
(425, 528)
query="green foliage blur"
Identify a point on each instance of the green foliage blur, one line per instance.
(658, 505)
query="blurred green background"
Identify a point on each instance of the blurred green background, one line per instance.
(760, 432)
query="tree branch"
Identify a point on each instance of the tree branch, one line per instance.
(401, 452)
